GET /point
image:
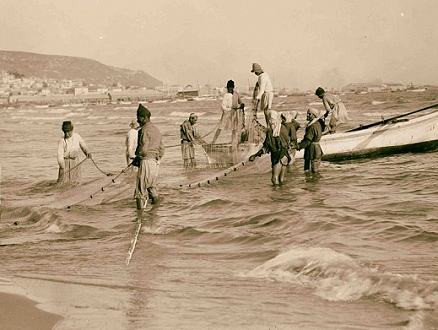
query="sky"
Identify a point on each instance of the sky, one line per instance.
(300, 43)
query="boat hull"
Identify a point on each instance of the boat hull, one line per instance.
(417, 135)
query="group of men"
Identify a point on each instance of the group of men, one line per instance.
(279, 142)
(145, 148)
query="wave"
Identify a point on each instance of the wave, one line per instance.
(335, 276)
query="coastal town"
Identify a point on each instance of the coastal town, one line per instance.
(16, 90)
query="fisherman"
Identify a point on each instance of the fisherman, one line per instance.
(189, 137)
(150, 150)
(232, 114)
(276, 143)
(288, 119)
(265, 91)
(131, 141)
(310, 141)
(334, 105)
(68, 151)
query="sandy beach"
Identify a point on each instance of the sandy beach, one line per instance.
(19, 312)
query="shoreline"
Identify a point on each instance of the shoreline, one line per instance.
(19, 312)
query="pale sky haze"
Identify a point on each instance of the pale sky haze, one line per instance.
(302, 44)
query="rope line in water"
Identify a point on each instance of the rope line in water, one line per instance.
(134, 241)
(82, 161)
(209, 181)
(107, 174)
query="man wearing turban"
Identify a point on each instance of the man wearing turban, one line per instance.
(276, 143)
(288, 119)
(310, 141)
(150, 150)
(189, 137)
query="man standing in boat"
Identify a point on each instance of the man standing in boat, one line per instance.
(334, 105)
(310, 141)
(265, 94)
(150, 150)
(189, 137)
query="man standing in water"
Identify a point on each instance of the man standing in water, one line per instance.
(310, 142)
(131, 141)
(189, 137)
(276, 143)
(150, 150)
(68, 151)
(265, 92)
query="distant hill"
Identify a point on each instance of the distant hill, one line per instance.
(68, 67)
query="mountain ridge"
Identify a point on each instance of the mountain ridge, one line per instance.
(43, 66)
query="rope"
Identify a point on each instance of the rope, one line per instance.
(202, 137)
(107, 174)
(78, 164)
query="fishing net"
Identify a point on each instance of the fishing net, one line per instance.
(249, 139)
(229, 158)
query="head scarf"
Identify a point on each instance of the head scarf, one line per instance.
(133, 123)
(319, 91)
(142, 111)
(67, 126)
(256, 68)
(275, 122)
(313, 111)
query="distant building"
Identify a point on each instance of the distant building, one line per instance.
(375, 88)
(81, 90)
(189, 91)
(394, 87)
(45, 91)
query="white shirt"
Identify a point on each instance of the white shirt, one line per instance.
(265, 85)
(69, 148)
(131, 142)
(227, 102)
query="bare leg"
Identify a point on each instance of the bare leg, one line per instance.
(282, 173)
(276, 170)
(315, 163)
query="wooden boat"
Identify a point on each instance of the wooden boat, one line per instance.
(391, 136)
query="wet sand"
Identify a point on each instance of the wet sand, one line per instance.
(19, 312)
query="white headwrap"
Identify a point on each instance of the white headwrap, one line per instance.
(289, 115)
(313, 111)
(275, 122)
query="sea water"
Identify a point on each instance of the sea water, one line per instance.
(354, 248)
